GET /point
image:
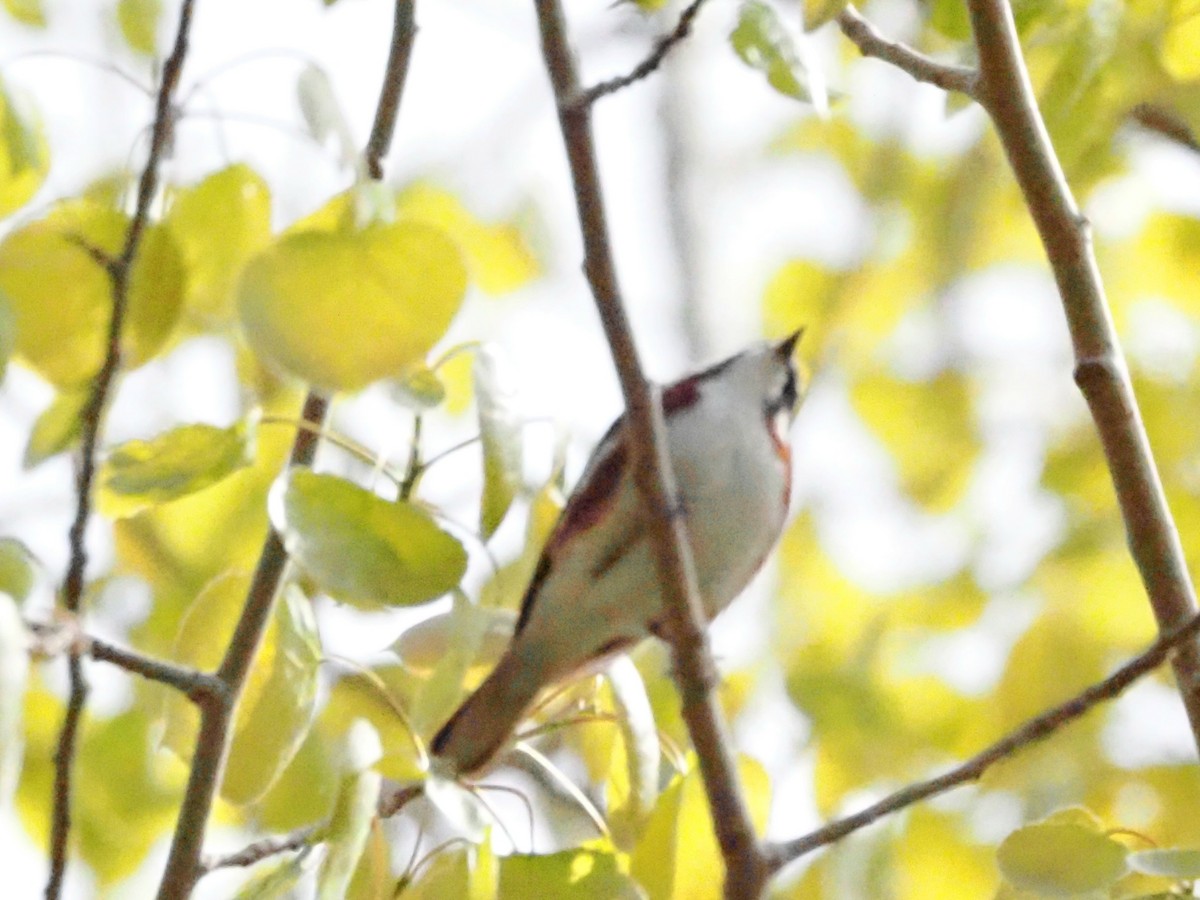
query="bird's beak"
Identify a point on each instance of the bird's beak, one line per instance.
(787, 346)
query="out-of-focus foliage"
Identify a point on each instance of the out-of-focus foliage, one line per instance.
(886, 678)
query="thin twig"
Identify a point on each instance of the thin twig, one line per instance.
(212, 743)
(260, 850)
(1034, 730)
(648, 65)
(1167, 123)
(91, 422)
(746, 869)
(1005, 92)
(921, 67)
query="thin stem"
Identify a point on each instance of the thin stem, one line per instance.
(1005, 92)
(1034, 730)
(746, 869)
(921, 67)
(404, 31)
(92, 419)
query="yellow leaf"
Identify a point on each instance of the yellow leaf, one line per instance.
(341, 310)
(27, 12)
(24, 153)
(1181, 45)
(138, 20)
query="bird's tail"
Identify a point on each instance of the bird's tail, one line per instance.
(485, 720)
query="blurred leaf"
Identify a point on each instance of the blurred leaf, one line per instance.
(497, 256)
(304, 792)
(62, 297)
(389, 292)
(360, 548)
(322, 113)
(819, 12)
(8, 335)
(138, 20)
(632, 779)
(58, 427)
(442, 691)
(1170, 863)
(501, 435)
(24, 153)
(1181, 44)
(275, 710)
(278, 881)
(27, 12)
(677, 856)
(936, 859)
(579, 874)
(17, 569)
(761, 41)
(176, 463)
(219, 224)
(353, 812)
(374, 696)
(14, 669)
(1061, 856)
(419, 388)
(423, 646)
(927, 428)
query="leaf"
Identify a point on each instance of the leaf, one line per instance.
(352, 813)
(762, 43)
(8, 335)
(24, 153)
(1181, 44)
(373, 696)
(276, 706)
(1061, 856)
(580, 874)
(138, 21)
(62, 297)
(219, 224)
(277, 882)
(424, 645)
(58, 427)
(819, 12)
(1174, 862)
(341, 310)
(14, 669)
(440, 694)
(27, 12)
(322, 113)
(182, 461)
(501, 435)
(497, 255)
(632, 783)
(677, 857)
(360, 548)
(419, 388)
(17, 569)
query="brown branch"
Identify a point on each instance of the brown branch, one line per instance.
(921, 67)
(91, 422)
(1034, 730)
(212, 743)
(1004, 90)
(647, 66)
(260, 850)
(746, 869)
(56, 638)
(1165, 122)
(404, 31)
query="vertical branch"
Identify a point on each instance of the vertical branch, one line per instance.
(217, 710)
(746, 868)
(92, 420)
(1004, 90)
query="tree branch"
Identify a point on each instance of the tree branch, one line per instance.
(647, 66)
(1034, 730)
(1004, 90)
(746, 870)
(921, 67)
(1165, 122)
(91, 422)
(212, 743)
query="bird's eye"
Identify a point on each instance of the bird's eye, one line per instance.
(785, 399)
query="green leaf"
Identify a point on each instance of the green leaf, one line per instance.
(138, 21)
(376, 696)
(62, 297)
(468, 626)
(360, 548)
(58, 427)
(353, 813)
(18, 568)
(182, 461)
(275, 710)
(24, 153)
(27, 12)
(341, 310)
(567, 875)
(1064, 855)
(1173, 862)
(219, 224)
(501, 434)
(632, 784)
(14, 669)
(819, 12)
(277, 882)
(761, 41)
(419, 388)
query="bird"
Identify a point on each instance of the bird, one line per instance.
(595, 591)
